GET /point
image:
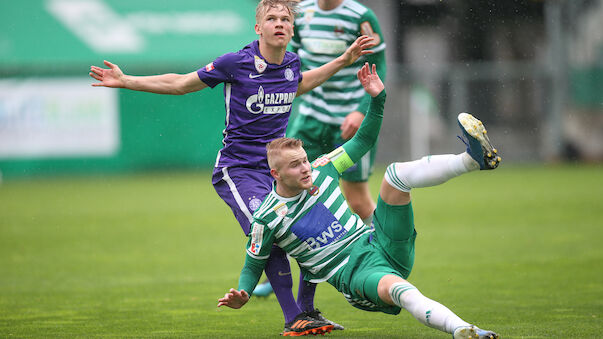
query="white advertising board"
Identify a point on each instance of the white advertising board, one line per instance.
(57, 117)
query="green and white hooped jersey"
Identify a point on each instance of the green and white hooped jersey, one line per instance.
(315, 227)
(321, 36)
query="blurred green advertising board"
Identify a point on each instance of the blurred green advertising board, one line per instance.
(134, 32)
(53, 122)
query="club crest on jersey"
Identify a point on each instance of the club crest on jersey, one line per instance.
(257, 233)
(338, 30)
(254, 203)
(289, 74)
(308, 16)
(321, 162)
(314, 190)
(210, 67)
(281, 209)
(260, 64)
(367, 29)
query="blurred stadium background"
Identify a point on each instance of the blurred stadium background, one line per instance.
(533, 70)
(109, 226)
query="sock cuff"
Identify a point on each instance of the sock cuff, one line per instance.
(397, 289)
(394, 180)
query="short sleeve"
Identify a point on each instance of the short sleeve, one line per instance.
(219, 71)
(369, 25)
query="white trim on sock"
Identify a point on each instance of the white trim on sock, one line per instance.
(391, 176)
(426, 311)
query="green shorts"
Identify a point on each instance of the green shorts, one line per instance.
(321, 138)
(390, 249)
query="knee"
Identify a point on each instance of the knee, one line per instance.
(392, 195)
(363, 206)
(358, 197)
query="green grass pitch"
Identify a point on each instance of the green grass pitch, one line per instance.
(517, 250)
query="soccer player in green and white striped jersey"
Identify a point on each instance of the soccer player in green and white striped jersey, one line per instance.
(307, 216)
(330, 114)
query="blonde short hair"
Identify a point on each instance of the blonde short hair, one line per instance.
(274, 148)
(264, 5)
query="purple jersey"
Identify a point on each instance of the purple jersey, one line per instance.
(258, 98)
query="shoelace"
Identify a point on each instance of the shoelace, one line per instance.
(463, 140)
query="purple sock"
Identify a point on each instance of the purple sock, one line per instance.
(278, 272)
(305, 295)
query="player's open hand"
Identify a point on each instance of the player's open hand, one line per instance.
(112, 77)
(370, 80)
(234, 299)
(359, 48)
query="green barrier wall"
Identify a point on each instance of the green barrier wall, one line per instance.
(156, 132)
(59, 38)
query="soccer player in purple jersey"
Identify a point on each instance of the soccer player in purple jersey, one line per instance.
(261, 81)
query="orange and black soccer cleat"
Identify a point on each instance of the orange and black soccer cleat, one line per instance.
(317, 315)
(303, 324)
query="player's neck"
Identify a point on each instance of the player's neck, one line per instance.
(287, 192)
(327, 5)
(273, 55)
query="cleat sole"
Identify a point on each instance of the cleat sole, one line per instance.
(314, 331)
(476, 129)
(474, 333)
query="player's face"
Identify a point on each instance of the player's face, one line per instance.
(294, 172)
(276, 26)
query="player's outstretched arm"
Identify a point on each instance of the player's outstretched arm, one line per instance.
(367, 134)
(234, 299)
(161, 84)
(316, 77)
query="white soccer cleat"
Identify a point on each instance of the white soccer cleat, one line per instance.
(473, 332)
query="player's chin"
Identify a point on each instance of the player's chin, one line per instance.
(282, 40)
(305, 183)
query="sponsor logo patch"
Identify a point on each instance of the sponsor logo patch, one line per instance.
(210, 67)
(319, 227)
(257, 233)
(321, 162)
(269, 103)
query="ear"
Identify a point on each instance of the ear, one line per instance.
(257, 29)
(274, 174)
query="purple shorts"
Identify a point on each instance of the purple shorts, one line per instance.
(243, 189)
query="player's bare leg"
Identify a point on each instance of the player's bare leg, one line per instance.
(359, 199)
